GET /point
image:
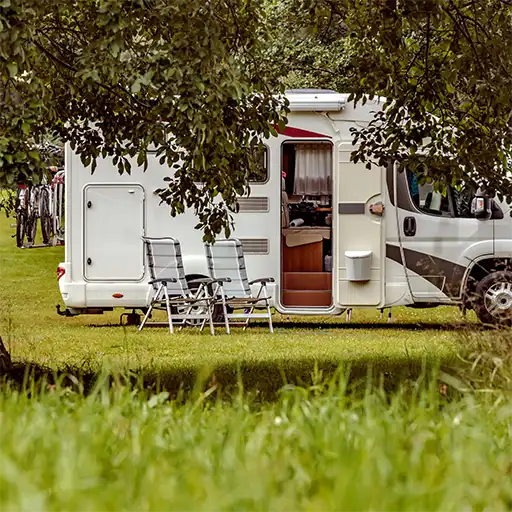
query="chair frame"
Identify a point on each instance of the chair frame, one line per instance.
(164, 301)
(249, 303)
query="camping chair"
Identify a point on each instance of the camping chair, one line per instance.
(170, 287)
(226, 266)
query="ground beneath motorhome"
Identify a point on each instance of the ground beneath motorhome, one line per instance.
(34, 332)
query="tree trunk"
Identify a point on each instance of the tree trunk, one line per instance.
(5, 359)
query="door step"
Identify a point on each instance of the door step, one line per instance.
(307, 298)
(307, 281)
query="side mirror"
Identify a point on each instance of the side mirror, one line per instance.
(481, 207)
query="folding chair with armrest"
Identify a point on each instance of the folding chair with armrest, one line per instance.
(226, 266)
(170, 287)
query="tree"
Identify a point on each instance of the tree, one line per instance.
(445, 69)
(302, 54)
(120, 78)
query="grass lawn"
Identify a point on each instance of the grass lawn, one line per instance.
(312, 447)
(34, 332)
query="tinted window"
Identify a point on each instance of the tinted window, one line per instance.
(452, 202)
(427, 199)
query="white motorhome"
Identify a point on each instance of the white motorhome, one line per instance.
(333, 234)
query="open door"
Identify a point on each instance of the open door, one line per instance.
(359, 227)
(306, 224)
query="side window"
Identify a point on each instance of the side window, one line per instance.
(427, 199)
(452, 202)
(261, 174)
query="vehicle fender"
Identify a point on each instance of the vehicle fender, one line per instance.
(503, 248)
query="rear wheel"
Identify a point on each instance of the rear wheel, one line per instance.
(21, 216)
(218, 315)
(493, 301)
(46, 218)
(20, 228)
(31, 228)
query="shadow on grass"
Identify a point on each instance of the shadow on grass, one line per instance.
(264, 381)
(324, 327)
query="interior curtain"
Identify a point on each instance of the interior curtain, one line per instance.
(313, 170)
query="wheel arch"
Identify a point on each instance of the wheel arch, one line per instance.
(481, 267)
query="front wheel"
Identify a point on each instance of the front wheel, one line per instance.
(45, 216)
(493, 301)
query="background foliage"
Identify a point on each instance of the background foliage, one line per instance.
(201, 83)
(119, 78)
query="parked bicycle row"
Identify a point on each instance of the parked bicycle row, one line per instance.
(41, 205)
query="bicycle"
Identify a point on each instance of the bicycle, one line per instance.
(37, 202)
(43, 202)
(24, 224)
(57, 206)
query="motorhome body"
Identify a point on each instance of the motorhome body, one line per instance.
(333, 234)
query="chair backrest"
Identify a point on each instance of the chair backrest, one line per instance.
(226, 259)
(165, 262)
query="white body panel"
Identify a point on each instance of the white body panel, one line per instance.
(124, 207)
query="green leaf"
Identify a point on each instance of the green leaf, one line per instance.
(135, 86)
(12, 67)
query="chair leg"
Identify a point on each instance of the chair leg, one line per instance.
(210, 314)
(146, 316)
(155, 298)
(270, 326)
(248, 319)
(225, 310)
(168, 306)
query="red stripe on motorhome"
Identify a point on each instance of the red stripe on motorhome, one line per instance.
(290, 131)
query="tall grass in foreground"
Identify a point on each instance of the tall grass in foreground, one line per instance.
(316, 448)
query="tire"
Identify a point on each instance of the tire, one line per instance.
(45, 216)
(218, 315)
(493, 299)
(31, 228)
(31, 220)
(21, 217)
(20, 229)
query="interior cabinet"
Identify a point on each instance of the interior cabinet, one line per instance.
(303, 258)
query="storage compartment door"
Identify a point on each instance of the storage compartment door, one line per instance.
(113, 226)
(359, 226)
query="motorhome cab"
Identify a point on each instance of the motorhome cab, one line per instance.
(333, 234)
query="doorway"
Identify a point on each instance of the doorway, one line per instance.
(306, 224)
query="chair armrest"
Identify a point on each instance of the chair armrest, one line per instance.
(263, 280)
(164, 279)
(222, 280)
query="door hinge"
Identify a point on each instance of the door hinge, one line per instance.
(89, 261)
(89, 204)
(377, 209)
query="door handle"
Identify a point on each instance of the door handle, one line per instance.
(409, 226)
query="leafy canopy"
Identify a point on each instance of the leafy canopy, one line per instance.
(120, 78)
(198, 81)
(445, 68)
